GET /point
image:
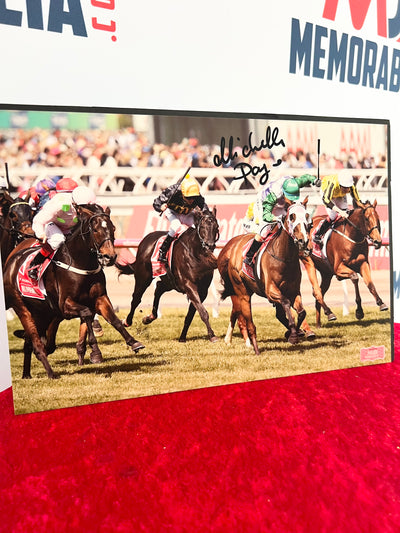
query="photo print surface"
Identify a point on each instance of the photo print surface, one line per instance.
(146, 254)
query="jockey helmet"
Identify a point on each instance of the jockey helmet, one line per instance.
(66, 185)
(345, 180)
(83, 195)
(190, 187)
(291, 189)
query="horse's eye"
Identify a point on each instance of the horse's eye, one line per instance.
(292, 217)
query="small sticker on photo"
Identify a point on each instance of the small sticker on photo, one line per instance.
(372, 353)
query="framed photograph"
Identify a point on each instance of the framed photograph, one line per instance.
(146, 253)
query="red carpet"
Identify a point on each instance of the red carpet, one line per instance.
(315, 453)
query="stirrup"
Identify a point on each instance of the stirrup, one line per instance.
(33, 272)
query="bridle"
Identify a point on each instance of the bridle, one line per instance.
(95, 249)
(289, 231)
(366, 235)
(20, 235)
(207, 246)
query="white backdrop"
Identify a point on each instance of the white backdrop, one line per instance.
(227, 56)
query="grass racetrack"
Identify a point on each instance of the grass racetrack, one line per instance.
(166, 365)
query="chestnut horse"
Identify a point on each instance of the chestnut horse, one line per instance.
(75, 287)
(277, 278)
(191, 271)
(347, 254)
(15, 223)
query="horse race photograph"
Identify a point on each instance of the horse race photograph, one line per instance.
(146, 254)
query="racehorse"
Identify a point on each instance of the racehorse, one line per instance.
(75, 286)
(347, 253)
(277, 275)
(15, 223)
(191, 271)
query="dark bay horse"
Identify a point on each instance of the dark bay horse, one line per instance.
(191, 272)
(15, 223)
(277, 278)
(347, 254)
(75, 287)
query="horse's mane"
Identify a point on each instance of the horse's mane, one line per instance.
(87, 210)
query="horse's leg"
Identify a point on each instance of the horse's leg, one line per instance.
(325, 284)
(365, 272)
(72, 309)
(236, 314)
(105, 308)
(141, 284)
(245, 305)
(359, 309)
(33, 341)
(344, 272)
(197, 301)
(81, 344)
(51, 335)
(28, 348)
(301, 318)
(316, 290)
(160, 289)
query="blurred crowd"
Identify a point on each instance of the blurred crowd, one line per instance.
(127, 148)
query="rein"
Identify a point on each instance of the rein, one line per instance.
(367, 236)
(206, 246)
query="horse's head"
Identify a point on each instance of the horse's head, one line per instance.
(298, 224)
(207, 228)
(370, 221)
(20, 214)
(97, 223)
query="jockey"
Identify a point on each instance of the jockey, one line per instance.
(270, 206)
(177, 202)
(334, 189)
(56, 218)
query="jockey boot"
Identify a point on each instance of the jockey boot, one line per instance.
(255, 246)
(319, 234)
(38, 260)
(162, 257)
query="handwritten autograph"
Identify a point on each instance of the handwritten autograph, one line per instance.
(270, 140)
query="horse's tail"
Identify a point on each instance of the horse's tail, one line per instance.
(225, 279)
(128, 268)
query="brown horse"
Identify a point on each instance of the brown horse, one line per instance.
(75, 287)
(191, 271)
(347, 254)
(277, 277)
(15, 223)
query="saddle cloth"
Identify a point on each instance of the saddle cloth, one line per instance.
(28, 287)
(317, 250)
(247, 269)
(158, 268)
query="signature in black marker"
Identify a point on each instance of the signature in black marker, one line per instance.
(270, 140)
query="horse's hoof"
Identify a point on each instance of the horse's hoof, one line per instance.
(383, 307)
(148, 319)
(182, 339)
(359, 315)
(96, 358)
(26, 376)
(331, 317)
(293, 338)
(310, 335)
(214, 339)
(125, 323)
(301, 333)
(137, 346)
(19, 333)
